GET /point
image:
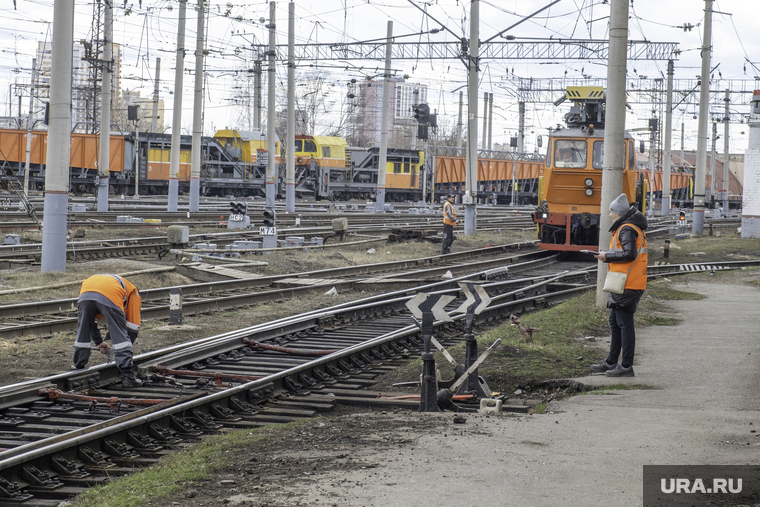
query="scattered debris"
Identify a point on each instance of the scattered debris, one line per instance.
(526, 331)
(447, 274)
(332, 292)
(371, 251)
(459, 419)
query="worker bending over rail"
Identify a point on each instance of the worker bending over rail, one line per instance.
(116, 300)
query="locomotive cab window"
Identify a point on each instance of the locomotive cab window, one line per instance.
(549, 153)
(309, 146)
(326, 151)
(570, 153)
(299, 145)
(396, 167)
(598, 154)
(406, 168)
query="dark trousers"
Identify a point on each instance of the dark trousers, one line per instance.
(623, 336)
(88, 331)
(448, 238)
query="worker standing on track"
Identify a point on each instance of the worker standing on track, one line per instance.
(449, 221)
(115, 299)
(627, 254)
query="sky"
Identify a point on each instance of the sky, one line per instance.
(147, 29)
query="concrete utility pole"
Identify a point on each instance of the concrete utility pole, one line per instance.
(698, 220)
(384, 120)
(614, 132)
(177, 112)
(257, 95)
(652, 155)
(29, 125)
(290, 170)
(665, 208)
(683, 148)
(471, 171)
(726, 156)
(59, 140)
(195, 154)
(484, 146)
(521, 128)
(105, 111)
(271, 76)
(713, 182)
(459, 121)
(490, 120)
(154, 121)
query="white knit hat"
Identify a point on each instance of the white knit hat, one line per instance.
(620, 205)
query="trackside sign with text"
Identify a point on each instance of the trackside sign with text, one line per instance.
(700, 485)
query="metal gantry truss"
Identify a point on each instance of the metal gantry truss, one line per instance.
(550, 49)
(643, 91)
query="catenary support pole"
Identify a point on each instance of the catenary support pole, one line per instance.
(177, 111)
(105, 111)
(59, 140)
(484, 146)
(614, 132)
(195, 154)
(257, 95)
(490, 121)
(459, 121)
(471, 171)
(652, 155)
(665, 206)
(154, 119)
(384, 120)
(29, 125)
(713, 151)
(698, 217)
(521, 127)
(726, 156)
(271, 175)
(683, 148)
(290, 169)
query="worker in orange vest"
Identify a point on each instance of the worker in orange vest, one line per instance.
(116, 300)
(627, 254)
(449, 221)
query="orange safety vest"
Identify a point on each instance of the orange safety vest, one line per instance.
(121, 292)
(637, 277)
(446, 219)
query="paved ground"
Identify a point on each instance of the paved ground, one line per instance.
(590, 449)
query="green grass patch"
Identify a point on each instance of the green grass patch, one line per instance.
(619, 387)
(664, 290)
(186, 468)
(538, 409)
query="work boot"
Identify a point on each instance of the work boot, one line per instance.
(603, 366)
(129, 380)
(620, 371)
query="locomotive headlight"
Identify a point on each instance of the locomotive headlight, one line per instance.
(589, 191)
(545, 216)
(589, 183)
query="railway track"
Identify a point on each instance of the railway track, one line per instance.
(47, 317)
(63, 434)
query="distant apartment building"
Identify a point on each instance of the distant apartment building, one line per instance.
(85, 90)
(366, 120)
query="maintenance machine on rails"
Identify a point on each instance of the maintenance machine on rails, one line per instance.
(570, 191)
